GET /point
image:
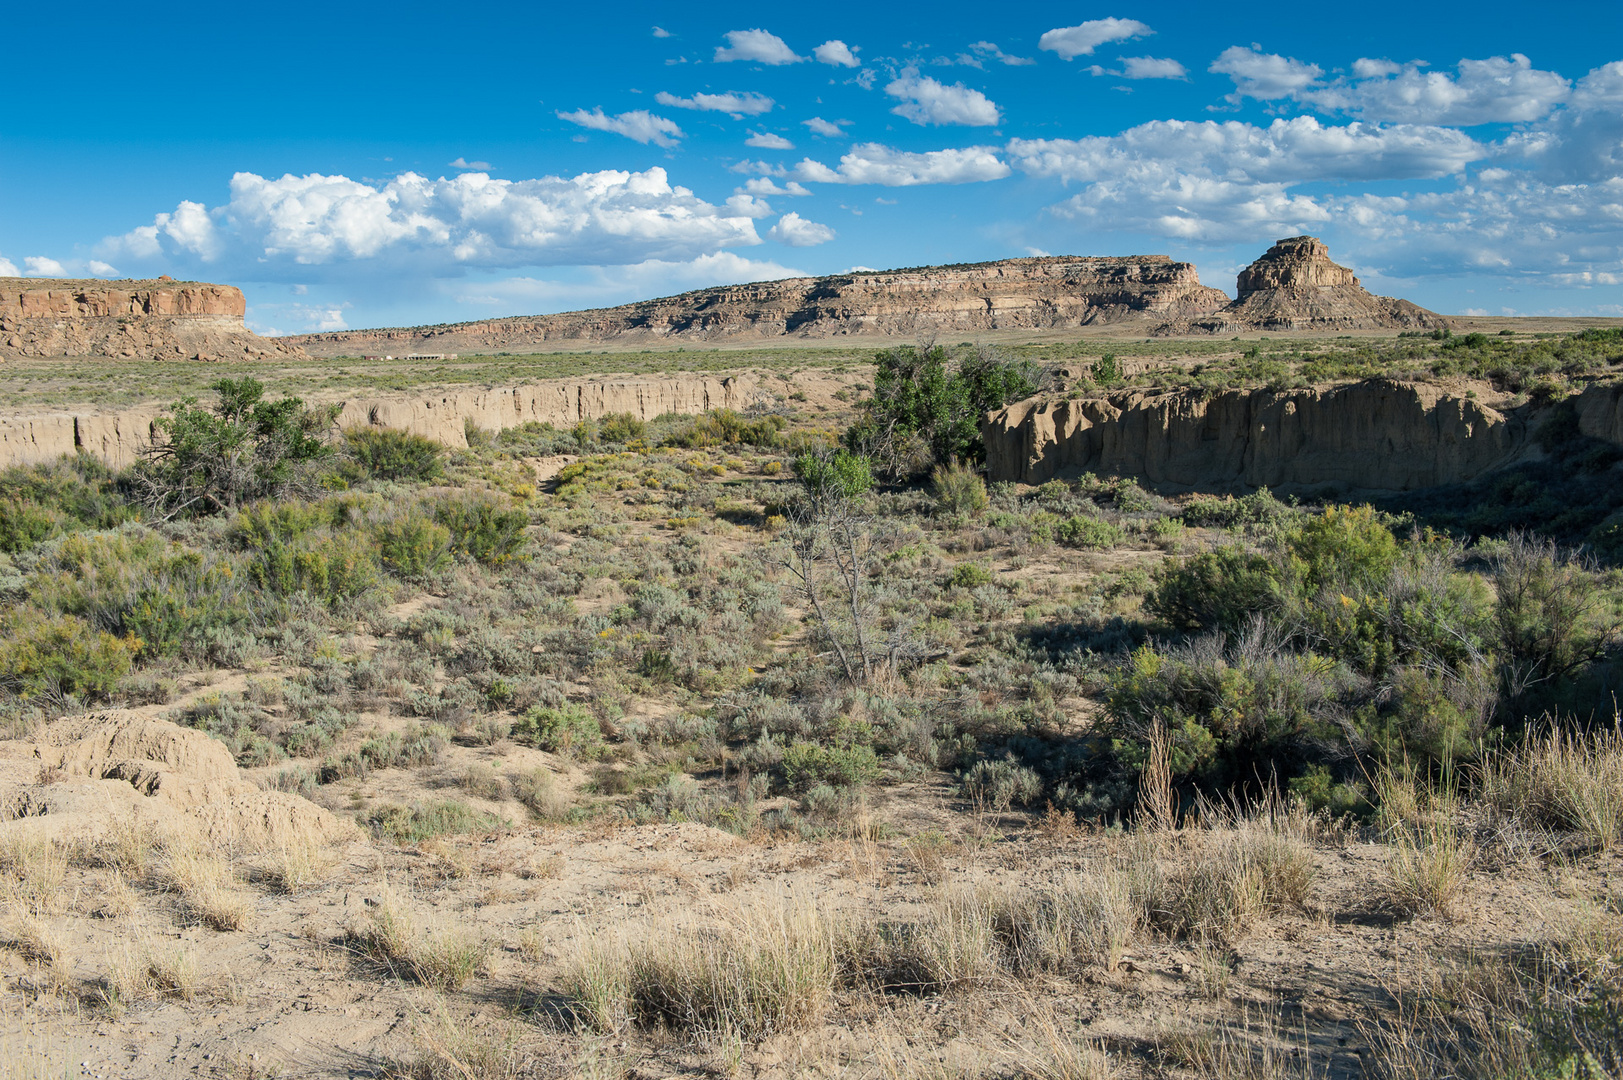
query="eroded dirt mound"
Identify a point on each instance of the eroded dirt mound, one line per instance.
(81, 775)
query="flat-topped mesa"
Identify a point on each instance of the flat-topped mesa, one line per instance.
(1295, 286)
(1011, 294)
(160, 319)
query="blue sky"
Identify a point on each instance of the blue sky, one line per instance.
(364, 165)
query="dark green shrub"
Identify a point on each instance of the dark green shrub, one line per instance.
(958, 489)
(331, 568)
(1258, 508)
(569, 729)
(724, 427)
(808, 765)
(1106, 370)
(1087, 532)
(970, 576)
(208, 460)
(834, 477)
(938, 398)
(1222, 588)
(620, 427)
(1346, 548)
(996, 785)
(482, 529)
(24, 523)
(391, 454)
(413, 546)
(61, 655)
(424, 821)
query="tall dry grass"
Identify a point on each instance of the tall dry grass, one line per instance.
(205, 882)
(1562, 780)
(447, 959)
(763, 968)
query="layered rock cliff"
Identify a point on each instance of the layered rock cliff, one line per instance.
(1295, 286)
(135, 320)
(116, 437)
(1378, 435)
(1037, 293)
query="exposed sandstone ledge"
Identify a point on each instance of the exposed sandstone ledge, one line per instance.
(443, 416)
(1036, 293)
(145, 320)
(1378, 435)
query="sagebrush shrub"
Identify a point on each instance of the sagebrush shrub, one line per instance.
(569, 729)
(391, 454)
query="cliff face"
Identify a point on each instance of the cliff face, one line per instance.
(128, 319)
(116, 438)
(1295, 286)
(1037, 293)
(1376, 435)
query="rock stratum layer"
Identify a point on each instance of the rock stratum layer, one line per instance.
(1017, 294)
(1295, 286)
(1378, 435)
(116, 437)
(132, 320)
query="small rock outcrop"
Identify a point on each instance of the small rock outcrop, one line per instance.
(1012, 294)
(1379, 435)
(131, 320)
(1295, 286)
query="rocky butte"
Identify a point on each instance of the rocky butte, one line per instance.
(1011, 294)
(1295, 286)
(134, 320)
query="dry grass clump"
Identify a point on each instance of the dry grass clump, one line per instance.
(32, 870)
(1429, 868)
(1253, 1050)
(1563, 780)
(207, 885)
(769, 967)
(297, 862)
(446, 959)
(173, 973)
(36, 942)
(1237, 876)
(538, 791)
(1557, 1012)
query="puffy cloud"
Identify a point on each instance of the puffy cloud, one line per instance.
(1583, 141)
(763, 185)
(101, 269)
(461, 163)
(745, 104)
(8, 268)
(873, 163)
(926, 101)
(795, 231)
(639, 124)
(1150, 67)
(40, 266)
(444, 225)
(661, 32)
(1209, 181)
(766, 140)
(828, 128)
(1081, 40)
(756, 45)
(1264, 76)
(745, 204)
(991, 51)
(837, 54)
(1497, 90)
(1286, 151)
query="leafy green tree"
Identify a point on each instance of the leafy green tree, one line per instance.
(927, 405)
(204, 461)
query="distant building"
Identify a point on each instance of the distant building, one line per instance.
(419, 356)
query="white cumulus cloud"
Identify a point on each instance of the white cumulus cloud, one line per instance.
(766, 140)
(836, 54)
(795, 231)
(101, 269)
(469, 221)
(738, 104)
(1264, 76)
(827, 128)
(1150, 67)
(640, 124)
(926, 101)
(1496, 90)
(8, 268)
(1081, 40)
(463, 163)
(755, 45)
(874, 163)
(41, 266)
(990, 50)
(765, 185)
